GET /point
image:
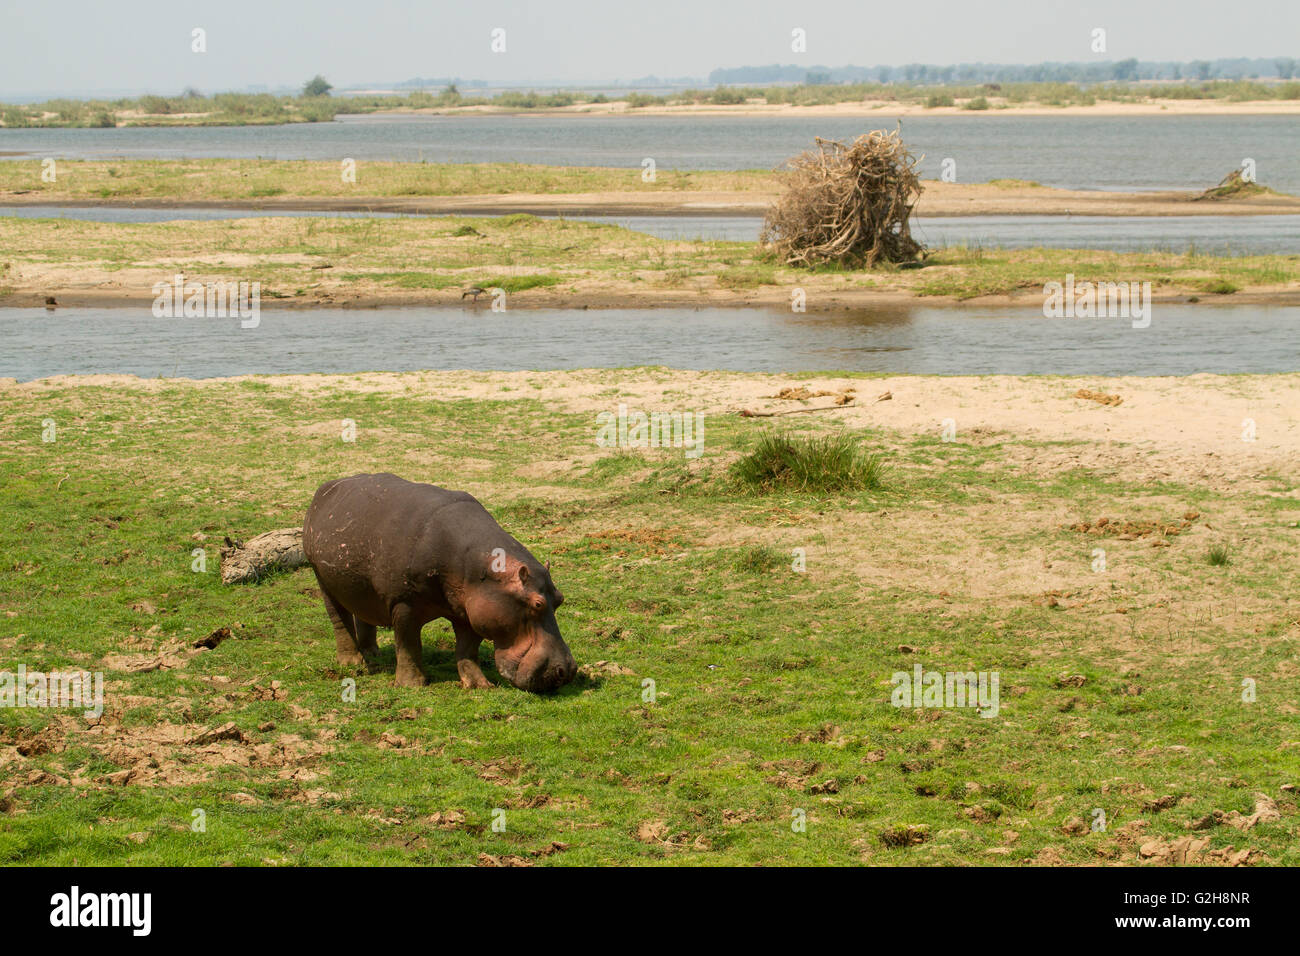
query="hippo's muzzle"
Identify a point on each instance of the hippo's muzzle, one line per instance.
(541, 664)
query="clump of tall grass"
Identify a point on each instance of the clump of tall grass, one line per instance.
(758, 558)
(826, 463)
(1218, 556)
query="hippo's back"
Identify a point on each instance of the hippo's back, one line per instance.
(354, 522)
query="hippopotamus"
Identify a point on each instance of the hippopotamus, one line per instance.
(395, 553)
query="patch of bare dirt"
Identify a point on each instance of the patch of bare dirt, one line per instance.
(826, 734)
(658, 833)
(171, 655)
(605, 668)
(1190, 851)
(168, 754)
(1266, 811)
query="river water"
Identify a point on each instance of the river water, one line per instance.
(1076, 152)
(1181, 340)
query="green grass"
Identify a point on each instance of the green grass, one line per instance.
(772, 684)
(1218, 556)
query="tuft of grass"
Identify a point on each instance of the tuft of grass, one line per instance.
(824, 463)
(1218, 556)
(1220, 287)
(758, 558)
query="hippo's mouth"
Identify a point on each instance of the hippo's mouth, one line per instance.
(544, 667)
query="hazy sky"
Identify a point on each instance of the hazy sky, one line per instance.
(86, 45)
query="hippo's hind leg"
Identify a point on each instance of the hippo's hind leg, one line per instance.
(366, 642)
(410, 652)
(467, 642)
(345, 635)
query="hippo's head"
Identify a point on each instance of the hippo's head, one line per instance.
(515, 609)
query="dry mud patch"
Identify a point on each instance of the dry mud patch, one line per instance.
(161, 754)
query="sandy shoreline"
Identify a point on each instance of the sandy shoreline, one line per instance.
(1169, 427)
(937, 199)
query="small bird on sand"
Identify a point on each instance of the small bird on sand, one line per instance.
(475, 291)
(51, 303)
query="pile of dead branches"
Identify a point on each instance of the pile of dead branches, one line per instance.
(847, 205)
(1232, 186)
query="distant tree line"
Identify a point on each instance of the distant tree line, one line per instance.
(912, 74)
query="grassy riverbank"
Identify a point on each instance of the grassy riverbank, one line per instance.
(1121, 689)
(197, 180)
(483, 188)
(547, 262)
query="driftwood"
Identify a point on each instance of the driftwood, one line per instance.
(847, 205)
(844, 399)
(242, 563)
(748, 413)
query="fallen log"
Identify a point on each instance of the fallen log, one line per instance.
(279, 550)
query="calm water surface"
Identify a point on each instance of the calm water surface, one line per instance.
(1149, 152)
(1181, 340)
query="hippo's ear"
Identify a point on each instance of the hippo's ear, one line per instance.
(523, 574)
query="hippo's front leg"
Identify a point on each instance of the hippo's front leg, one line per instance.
(410, 652)
(467, 642)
